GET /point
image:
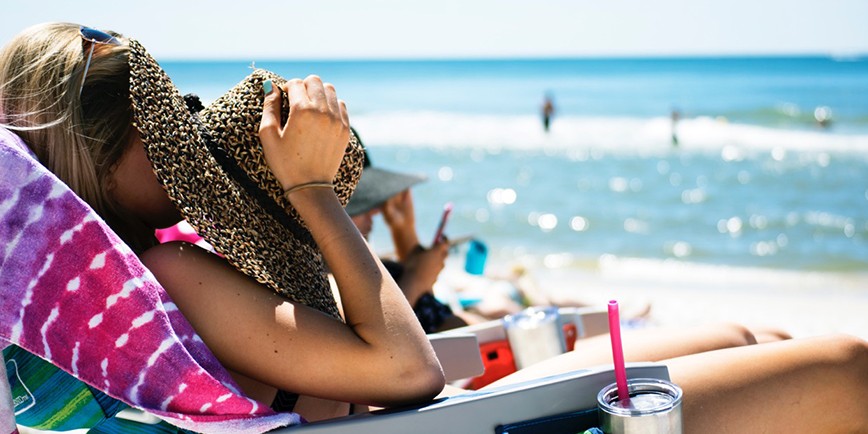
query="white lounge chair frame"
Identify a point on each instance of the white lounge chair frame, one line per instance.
(483, 411)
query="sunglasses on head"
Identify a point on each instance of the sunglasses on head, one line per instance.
(93, 36)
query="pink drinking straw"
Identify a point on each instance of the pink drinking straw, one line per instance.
(618, 353)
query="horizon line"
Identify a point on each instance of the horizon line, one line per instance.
(840, 57)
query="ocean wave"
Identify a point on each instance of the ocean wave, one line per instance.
(629, 135)
(671, 272)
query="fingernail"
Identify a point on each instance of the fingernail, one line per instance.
(267, 87)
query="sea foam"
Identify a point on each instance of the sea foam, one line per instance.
(618, 135)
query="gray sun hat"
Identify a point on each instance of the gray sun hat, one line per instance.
(377, 185)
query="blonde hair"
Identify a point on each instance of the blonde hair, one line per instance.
(78, 137)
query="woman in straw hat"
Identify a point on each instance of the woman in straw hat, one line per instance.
(100, 113)
(266, 189)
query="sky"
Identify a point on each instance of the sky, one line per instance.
(389, 29)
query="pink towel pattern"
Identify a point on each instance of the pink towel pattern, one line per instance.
(74, 294)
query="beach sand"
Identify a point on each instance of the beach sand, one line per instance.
(800, 303)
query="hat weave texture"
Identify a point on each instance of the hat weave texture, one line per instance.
(213, 169)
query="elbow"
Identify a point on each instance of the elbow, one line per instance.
(415, 384)
(428, 382)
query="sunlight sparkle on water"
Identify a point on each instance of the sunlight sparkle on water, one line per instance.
(764, 248)
(779, 153)
(482, 215)
(547, 222)
(445, 174)
(758, 221)
(730, 153)
(579, 223)
(823, 159)
(681, 249)
(662, 167)
(696, 195)
(618, 184)
(782, 240)
(731, 226)
(501, 196)
(635, 226)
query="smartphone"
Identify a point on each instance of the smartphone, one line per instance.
(438, 236)
(460, 240)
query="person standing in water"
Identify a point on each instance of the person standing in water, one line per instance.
(823, 116)
(676, 115)
(548, 110)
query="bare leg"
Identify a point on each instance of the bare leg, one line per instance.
(809, 385)
(314, 409)
(793, 386)
(496, 305)
(769, 334)
(643, 345)
(257, 390)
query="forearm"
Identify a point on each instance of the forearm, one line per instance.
(412, 288)
(373, 304)
(381, 356)
(405, 240)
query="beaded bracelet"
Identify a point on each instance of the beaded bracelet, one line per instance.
(305, 186)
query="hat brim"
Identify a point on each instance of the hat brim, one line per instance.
(213, 169)
(376, 186)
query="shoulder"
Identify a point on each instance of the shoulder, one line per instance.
(179, 257)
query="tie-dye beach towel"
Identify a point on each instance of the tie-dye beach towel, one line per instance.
(72, 293)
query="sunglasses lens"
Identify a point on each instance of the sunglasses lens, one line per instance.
(95, 35)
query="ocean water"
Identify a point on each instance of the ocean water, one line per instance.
(754, 182)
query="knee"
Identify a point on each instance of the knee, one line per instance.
(847, 359)
(849, 352)
(736, 335)
(843, 361)
(769, 334)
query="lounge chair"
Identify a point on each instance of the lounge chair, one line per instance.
(562, 403)
(78, 306)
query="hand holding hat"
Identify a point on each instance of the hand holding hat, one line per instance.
(213, 167)
(310, 146)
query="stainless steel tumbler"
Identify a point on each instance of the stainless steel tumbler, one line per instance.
(654, 408)
(534, 335)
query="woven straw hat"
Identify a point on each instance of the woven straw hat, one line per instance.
(213, 169)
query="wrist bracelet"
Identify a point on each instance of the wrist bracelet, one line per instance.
(305, 186)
